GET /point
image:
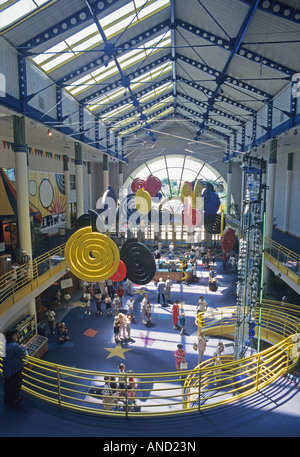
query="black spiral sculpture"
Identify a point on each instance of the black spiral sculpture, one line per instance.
(212, 223)
(139, 262)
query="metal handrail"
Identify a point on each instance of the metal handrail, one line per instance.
(17, 283)
(283, 255)
(215, 382)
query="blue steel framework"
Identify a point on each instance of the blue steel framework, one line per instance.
(174, 24)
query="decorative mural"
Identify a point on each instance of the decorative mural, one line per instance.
(47, 194)
(47, 200)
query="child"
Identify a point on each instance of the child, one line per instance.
(98, 298)
(148, 312)
(62, 333)
(182, 323)
(127, 327)
(108, 305)
(120, 293)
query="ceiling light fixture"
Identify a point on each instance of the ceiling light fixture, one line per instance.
(49, 133)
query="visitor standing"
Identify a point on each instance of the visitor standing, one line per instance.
(161, 290)
(175, 313)
(179, 355)
(169, 284)
(13, 363)
(201, 346)
(50, 314)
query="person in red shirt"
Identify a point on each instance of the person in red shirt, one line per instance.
(175, 312)
(120, 292)
(179, 355)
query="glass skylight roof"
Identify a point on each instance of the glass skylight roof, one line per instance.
(149, 121)
(12, 11)
(125, 61)
(89, 37)
(137, 82)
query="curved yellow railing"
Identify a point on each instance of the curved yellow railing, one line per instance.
(287, 261)
(215, 382)
(19, 282)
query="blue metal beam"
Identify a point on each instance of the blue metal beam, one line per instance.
(228, 45)
(217, 123)
(216, 111)
(220, 97)
(222, 77)
(100, 60)
(130, 76)
(126, 100)
(278, 9)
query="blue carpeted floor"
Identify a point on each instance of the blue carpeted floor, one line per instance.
(273, 412)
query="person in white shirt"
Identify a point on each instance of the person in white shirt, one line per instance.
(169, 283)
(116, 304)
(87, 303)
(202, 305)
(161, 290)
(144, 307)
(159, 246)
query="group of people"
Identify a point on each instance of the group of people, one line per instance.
(116, 392)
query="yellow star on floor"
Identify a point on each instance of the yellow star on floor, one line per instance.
(117, 351)
(140, 291)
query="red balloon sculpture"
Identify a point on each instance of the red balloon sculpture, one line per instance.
(137, 184)
(121, 272)
(152, 185)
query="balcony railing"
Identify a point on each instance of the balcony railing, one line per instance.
(19, 282)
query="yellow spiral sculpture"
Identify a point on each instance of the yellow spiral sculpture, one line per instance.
(91, 256)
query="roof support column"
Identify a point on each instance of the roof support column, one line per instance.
(229, 181)
(22, 185)
(67, 189)
(105, 173)
(271, 173)
(288, 185)
(79, 180)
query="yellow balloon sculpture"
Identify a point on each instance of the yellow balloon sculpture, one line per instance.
(142, 201)
(91, 256)
(197, 200)
(186, 191)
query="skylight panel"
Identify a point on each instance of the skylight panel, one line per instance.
(17, 10)
(89, 37)
(125, 61)
(135, 84)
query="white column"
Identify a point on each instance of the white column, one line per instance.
(271, 173)
(288, 185)
(79, 180)
(22, 185)
(105, 173)
(229, 179)
(89, 171)
(270, 191)
(67, 189)
(120, 177)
